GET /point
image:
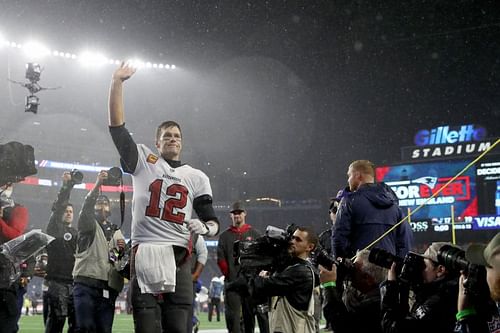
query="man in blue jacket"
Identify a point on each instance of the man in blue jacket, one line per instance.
(368, 211)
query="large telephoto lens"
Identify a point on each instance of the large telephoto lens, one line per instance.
(452, 258)
(383, 258)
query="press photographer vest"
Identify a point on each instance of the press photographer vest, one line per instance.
(284, 318)
(94, 262)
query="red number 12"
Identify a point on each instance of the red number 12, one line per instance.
(154, 210)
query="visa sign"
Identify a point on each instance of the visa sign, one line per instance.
(443, 135)
(486, 222)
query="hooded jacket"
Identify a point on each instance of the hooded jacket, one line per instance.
(364, 215)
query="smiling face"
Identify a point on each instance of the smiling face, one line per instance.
(169, 143)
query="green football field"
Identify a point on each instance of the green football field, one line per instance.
(122, 324)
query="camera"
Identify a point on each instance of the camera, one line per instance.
(76, 176)
(265, 253)
(344, 266)
(33, 72)
(268, 252)
(454, 260)
(409, 269)
(17, 161)
(114, 255)
(114, 177)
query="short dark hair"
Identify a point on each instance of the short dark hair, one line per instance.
(69, 205)
(166, 124)
(312, 237)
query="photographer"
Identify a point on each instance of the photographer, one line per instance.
(61, 259)
(293, 308)
(13, 222)
(469, 318)
(435, 297)
(360, 310)
(97, 282)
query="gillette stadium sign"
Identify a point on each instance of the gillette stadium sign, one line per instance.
(447, 142)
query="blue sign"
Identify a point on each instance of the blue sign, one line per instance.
(443, 135)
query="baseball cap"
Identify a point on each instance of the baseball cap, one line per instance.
(238, 206)
(481, 254)
(101, 198)
(433, 250)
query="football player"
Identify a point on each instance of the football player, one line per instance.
(166, 191)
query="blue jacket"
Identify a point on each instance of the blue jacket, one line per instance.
(364, 215)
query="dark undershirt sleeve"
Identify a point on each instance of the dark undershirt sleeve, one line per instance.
(204, 209)
(126, 147)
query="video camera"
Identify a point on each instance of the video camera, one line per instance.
(265, 253)
(17, 161)
(268, 252)
(409, 269)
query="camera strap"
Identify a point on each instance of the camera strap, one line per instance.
(122, 203)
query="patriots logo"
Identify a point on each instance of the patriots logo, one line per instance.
(152, 159)
(429, 181)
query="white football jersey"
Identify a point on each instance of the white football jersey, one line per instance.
(163, 199)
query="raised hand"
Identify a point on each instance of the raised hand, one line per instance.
(124, 72)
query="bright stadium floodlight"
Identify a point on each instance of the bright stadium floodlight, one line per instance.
(173, 67)
(35, 50)
(136, 63)
(92, 59)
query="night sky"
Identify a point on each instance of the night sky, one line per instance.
(275, 98)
